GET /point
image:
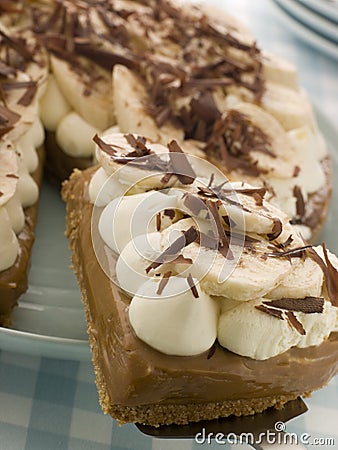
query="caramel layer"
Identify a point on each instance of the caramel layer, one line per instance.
(14, 281)
(134, 374)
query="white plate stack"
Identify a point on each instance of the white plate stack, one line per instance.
(315, 21)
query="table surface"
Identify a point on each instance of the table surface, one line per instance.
(49, 404)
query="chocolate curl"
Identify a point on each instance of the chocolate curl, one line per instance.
(107, 148)
(163, 283)
(330, 274)
(192, 286)
(180, 164)
(224, 241)
(277, 229)
(8, 119)
(294, 322)
(271, 311)
(174, 249)
(307, 305)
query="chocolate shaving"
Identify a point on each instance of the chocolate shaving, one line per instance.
(194, 203)
(296, 171)
(158, 221)
(300, 203)
(307, 305)
(207, 241)
(175, 248)
(162, 114)
(294, 252)
(163, 282)
(169, 213)
(40, 28)
(277, 229)
(181, 260)
(107, 148)
(229, 222)
(234, 138)
(6, 70)
(205, 107)
(12, 175)
(330, 274)
(166, 177)
(18, 46)
(224, 242)
(139, 144)
(207, 83)
(8, 119)
(271, 311)
(331, 279)
(105, 59)
(294, 322)
(192, 286)
(28, 96)
(287, 242)
(1, 194)
(181, 165)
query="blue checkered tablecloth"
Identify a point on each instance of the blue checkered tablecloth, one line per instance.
(50, 404)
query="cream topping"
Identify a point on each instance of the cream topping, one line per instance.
(258, 259)
(53, 105)
(144, 208)
(75, 136)
(174, 322)
(18, 190)
(8, 241)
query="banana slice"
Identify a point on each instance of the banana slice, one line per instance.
(283, 194)
(250, 278)
(305, 280)
(246, 214)
(93, 104)
(130, 97)
(249, 275)
(229, 23)
(9, 174)
(279, 70)
(311, 175)
(28, 114)
(292, 109)
(121, 147)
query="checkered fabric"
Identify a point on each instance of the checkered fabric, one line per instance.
(51, 404)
